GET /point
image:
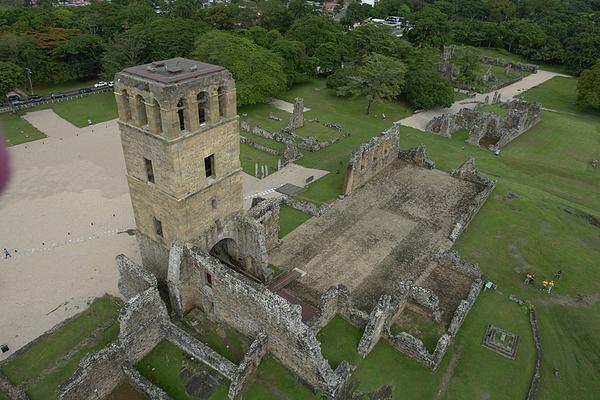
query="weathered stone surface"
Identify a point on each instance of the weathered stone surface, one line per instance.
(488, 128)
(535, 380)
(143, 385)
(259, 146)
(251, 308)
(452, 259)
(372, 157)
(297, 118)
(11, 391)
(375, 326)
(266, 213)
(417, 156)
(252, 358)
(465, 305)
(132, 279)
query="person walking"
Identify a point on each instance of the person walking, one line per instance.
(550, 286)
(544, 284)
(558, 274)
(7, 253)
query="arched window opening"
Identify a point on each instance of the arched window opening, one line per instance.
(126, 111)
(180, 113)
(222, 102)
(202, 107)
(141, 110)
(157, 116)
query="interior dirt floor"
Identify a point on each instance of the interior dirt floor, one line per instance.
(385, 232)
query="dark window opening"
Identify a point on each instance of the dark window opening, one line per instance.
(202, 102)
(209, 279)
(181, 114)
(209, 166)
(158, 227)
(213, 202)
(222, 102)
(149, 170)
(141, 106)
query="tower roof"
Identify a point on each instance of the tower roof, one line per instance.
(173, 70)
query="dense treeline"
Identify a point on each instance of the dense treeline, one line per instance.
(271, 44)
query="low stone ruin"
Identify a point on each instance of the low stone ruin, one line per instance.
(417, 156)
(297, 118)
(487, 128)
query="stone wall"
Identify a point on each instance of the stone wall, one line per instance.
(250, 308)
(451, 259)
(464, 307)
(297, 117)
(253, 356)
(132, 279)
(468, 171)
(417, 156)
(337, 301)
(488, 128)
(305, 206)
(375, 326)
(372, 157)
(415, 348)
(519, 67)
(260, 147)
(266, 213)
(143, 385)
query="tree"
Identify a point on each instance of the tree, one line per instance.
(82, 54)
(125, 50)
(297, 65)
(11, 76)
(313, 31)
(588, 87)
(468, 61)
(379, 77)
(425, 88)
(258, 72)
(430, 27)
(327, 58)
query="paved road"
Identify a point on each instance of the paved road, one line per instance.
(420, 120)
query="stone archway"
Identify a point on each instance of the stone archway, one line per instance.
(228, 251)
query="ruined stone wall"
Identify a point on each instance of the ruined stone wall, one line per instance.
(297, 117)
(337, 301)
(415, 348)
(260, 147)
(372, 157)
(465, 305)
(132, 279)
(251, 309)
(305, 206)
(143, 385)
(417, 156)
(468, 171)
(451, 259)
(267, 214)
(375, 326)
(519, 67)
(246, 368)
(498, 129)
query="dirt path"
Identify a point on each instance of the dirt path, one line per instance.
(448, 375)
(420, 120)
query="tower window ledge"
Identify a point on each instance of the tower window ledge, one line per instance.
(210, 180)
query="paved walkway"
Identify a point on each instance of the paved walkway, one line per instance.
(284, 105)
(292, 173)
(420, 120)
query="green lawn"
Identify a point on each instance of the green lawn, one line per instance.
(170, 368)
(47, 363)
(95, 107)
(495, 108)
(274, 382)
(249, 156)
(17, 130)
(290, 219)
(258, 114)
(505, 55)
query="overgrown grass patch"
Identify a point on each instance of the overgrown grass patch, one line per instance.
(48, 349)
(17, 130)
(249, 157)
(98, 108)
(273, 381)
(290, 219)
(171, 369)
(495, 108)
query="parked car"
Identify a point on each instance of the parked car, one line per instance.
(111, 83)
(57, 95)
(13, 97)
(100, 84)
(34, 98)
(85, 90)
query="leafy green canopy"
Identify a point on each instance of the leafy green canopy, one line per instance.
(588, 87)
(258, 72)
(11, 75)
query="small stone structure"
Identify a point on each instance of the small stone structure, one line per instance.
(297, 118)
(417, 156)
(372, 157)
(487, 128)
(501, 341)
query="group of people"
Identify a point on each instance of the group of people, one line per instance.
(547, 285)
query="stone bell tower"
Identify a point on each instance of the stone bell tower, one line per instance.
(180, 137)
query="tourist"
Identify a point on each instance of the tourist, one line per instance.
(7, 253)
(558, 274)
(550, 286)
(544, 284)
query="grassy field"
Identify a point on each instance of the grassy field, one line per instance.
(53, 358)
(96, 107)
(290, 219)
(249, 156)
(272, 381)
(168, 367)
(495, 108)
(64, 86)
(16, 130)
(505, 55)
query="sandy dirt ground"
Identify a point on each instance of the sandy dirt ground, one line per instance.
(384, 232)
(285, 105)
(61, 217)
(420, 120)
